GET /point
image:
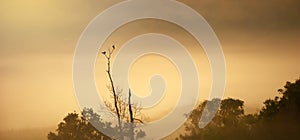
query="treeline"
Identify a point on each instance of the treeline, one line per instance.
(279, 119)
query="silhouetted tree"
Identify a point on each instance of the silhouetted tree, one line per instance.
(124, 110)
(231, 111)
(228, 117)
(115, 97)
(78, 127)
(278, 119)
(288, 103)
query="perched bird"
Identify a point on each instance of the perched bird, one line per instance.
(104, 52)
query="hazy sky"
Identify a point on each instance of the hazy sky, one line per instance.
(260, 41)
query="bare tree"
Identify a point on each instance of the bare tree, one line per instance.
(125, 110)
(108, 57)
(131, 135)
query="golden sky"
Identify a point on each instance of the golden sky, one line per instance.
(260, 40)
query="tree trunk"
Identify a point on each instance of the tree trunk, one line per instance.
(131, 127)
(115, 98)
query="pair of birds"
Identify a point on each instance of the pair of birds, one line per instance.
(104, 52)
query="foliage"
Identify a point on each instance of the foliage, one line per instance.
(278, 119)
(78, 127)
